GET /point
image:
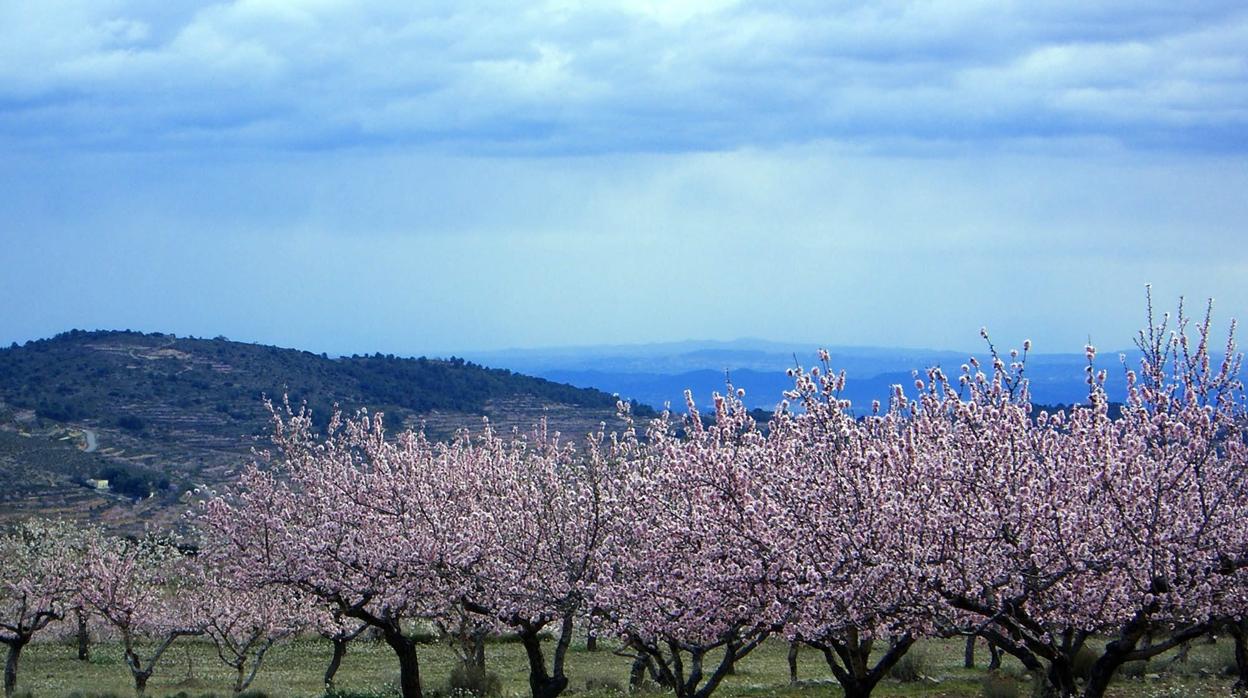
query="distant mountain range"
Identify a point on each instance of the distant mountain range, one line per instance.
(656, 374)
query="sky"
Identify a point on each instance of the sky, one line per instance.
(434, 178)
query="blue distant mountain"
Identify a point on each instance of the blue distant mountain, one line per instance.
(655, 374)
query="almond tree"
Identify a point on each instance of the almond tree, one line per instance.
(340, 630)
(39, 561)
(465, 633)
(140, 588)
(842, 488)
(538, 514)
(1051, 529)
(242, 621)
(353, 519)
(695, 561)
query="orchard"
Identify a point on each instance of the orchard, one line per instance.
(949, 508)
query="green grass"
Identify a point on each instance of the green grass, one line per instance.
(294, 669)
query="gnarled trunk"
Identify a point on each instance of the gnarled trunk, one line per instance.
(10, 666)
(409, 664)
(84, 647)
(693, 679)
(542, 684)
(135, 663)
(1239, 632)
(340, 651)
(849, 658)
(1061, 679)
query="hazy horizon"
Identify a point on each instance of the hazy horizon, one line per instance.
(664, 347)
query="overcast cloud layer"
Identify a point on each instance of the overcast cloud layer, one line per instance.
(369, 176)
(619, 76)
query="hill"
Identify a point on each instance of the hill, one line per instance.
(157, 414)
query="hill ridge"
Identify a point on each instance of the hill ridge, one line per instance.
(173, 412)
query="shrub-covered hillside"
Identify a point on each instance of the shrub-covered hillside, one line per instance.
(155, 413)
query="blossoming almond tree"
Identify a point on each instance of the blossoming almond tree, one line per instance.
(38, 565)
(1053, 529)
(140, 589)
(244, 621)
(359, 521)
(539, 517)
(841, 486)
(695, 561)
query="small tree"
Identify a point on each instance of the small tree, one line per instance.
(140, 588)
(1039, 532)
(537, 519)
(39, 559)
(244, 622)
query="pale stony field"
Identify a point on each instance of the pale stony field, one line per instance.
(294, 669)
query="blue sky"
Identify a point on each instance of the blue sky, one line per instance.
(369, 176)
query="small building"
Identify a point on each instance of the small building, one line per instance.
(97, 484)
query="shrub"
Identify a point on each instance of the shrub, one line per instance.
(999, 685)
(340, 693)
(131, 423)
(604, 684)
(473, 680)
(912, 667)
(133, 481)
(1133, 670)
(1082, 665)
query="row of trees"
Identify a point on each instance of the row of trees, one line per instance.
(950, 510)
(146, 592)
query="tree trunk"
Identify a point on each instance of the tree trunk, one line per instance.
(340, 651)
(1061, 679)
(10, 667)
(1102, 674)
(968, 655)
(541, 684)
(140, 682)
(409, 664)
(1239, 632)
(793, 647)
(84, 647)
(591, 643)
(637, 674)
(849, 657)
(478, 651)
(994, 656)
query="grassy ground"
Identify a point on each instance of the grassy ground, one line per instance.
(294, 669)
